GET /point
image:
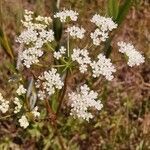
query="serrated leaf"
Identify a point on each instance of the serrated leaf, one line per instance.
(113, 8)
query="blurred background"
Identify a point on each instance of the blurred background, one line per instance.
(124, 122)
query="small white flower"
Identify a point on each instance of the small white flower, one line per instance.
(46, 36)
(76, 32)
(59, 54)
(65, 14)
(4, 105)
(28, 15)
(135, 58)
(35, 112)
(23, 122)
(21, 90)
(48, 82)
(82, 100)
(82, 57)
(38, 23)
(41, 94)
(104, 26)
(46, 20)
(97, 36)
(104, 23)
(35, 36)
(30, 56)
(18, 105)
(103, 67)
(27, 36)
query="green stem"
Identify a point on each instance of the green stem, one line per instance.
(2, 118)
(61, 97)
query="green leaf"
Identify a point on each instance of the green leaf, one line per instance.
(123, 10)
(113, 8)
(54, 103)
(108, 48)
(5, 43)
(57, 27)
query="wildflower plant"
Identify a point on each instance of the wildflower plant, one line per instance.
(50, 87)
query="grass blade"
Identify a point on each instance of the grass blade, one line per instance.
(113, 8)
(123, 10)
(5, 43)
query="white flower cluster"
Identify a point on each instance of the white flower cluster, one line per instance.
(28, 36)
(41, 22)
(23, 122)
(18, 105)
(48, 82)
(76, 32)
(135, 58)
(46, 20)
(4, 105)
(31, 56)
(98, 36)
(103, 67)
(82, 100)
(82, 57)
(35, 35)
(21, 90)
(35, 112)
(66, 14)
(104, 26)
(59, 54)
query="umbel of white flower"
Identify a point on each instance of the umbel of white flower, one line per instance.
(34, 36)
(134, 57)
(21, 90)
(18, 105)
(23, 122)
(35, 112)
(31, 56)
(48, 82)
(82, 57)
(103, 67)
(60, 53)
(76, 32)
(40, 21)
(4, 105)
(82, 100)
(64, 15)
(104, 26)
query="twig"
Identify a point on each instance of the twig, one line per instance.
(51, 114)
(1, 118)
